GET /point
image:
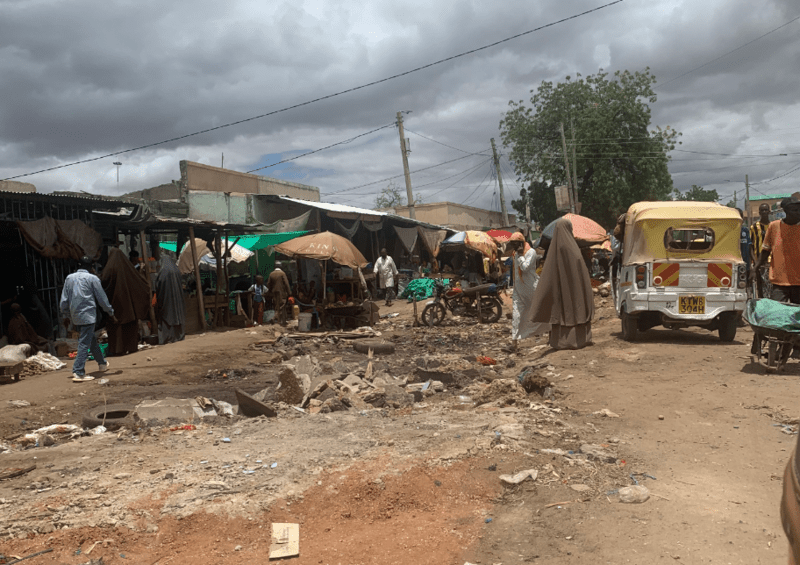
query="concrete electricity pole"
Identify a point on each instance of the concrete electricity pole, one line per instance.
(747, 200)
(500, 182)
(566, 167)
(411, 213)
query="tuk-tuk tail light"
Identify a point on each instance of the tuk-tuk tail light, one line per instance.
(742, 270)
(641, 275)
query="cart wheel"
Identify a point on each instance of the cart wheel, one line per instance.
(433, 314)
(772, 357)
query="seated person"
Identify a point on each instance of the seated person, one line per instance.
(20, 331)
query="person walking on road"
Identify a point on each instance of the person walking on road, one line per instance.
(757, 233)
(280, 289)
(79, 302)
(564, 297)
(782, 241)
(386, 271)
(524, 264)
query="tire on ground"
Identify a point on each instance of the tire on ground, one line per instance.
(112, 416)
(376, 347)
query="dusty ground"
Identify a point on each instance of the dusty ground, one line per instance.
(417, 484)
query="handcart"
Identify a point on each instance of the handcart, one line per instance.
(776, 332)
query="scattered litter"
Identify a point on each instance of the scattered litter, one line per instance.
(634, 495)
(285, 540)
(102, 381)
(226, 440)
(487, 520)
(99, 430)
(185, 427)
(519, 477)
(390, 315)
(485, 360)
(606, 412)
(273, 465)
(18, 403)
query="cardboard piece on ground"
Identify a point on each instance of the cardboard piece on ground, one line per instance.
(285, 540)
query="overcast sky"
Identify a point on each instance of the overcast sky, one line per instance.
(82, 79)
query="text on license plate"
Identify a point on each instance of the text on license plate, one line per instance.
(692, 305)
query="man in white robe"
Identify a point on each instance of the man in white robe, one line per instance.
(525, 282)
(386, 270)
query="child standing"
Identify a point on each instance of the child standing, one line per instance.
(258, 290)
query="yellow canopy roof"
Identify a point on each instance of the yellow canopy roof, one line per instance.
(647, 223)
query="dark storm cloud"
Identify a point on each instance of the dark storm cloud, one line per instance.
(82, 79)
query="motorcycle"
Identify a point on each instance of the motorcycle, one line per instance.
(463, 302)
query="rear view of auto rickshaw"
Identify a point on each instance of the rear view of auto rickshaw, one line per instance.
(680, 265)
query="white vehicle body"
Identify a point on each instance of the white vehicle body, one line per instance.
(680, 266)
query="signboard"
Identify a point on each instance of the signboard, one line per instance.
(562, 198)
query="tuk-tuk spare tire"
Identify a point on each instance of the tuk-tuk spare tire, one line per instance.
(112, 416)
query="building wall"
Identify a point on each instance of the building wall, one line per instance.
(220, 207)
(774, 204)
(15, 186)
(196, 176)
(456, 216)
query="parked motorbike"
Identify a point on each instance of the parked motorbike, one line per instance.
(463, 302)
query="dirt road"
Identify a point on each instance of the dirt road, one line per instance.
(419, 484)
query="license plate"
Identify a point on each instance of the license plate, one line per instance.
(692, 305)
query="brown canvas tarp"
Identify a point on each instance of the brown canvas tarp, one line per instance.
(62, 239)
(432, 239)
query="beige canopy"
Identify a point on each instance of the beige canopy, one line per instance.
(324, 246)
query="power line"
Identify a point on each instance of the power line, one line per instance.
(396, 176)
(726, 54)
(440, 143)
(323, 148)
(326, 97)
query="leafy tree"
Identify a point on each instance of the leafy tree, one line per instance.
(542, 200)
(620, 160)
(699, 194)
(392, 197)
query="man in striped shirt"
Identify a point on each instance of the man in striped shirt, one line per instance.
(757, 232)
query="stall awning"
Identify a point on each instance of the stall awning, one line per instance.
(250, 242)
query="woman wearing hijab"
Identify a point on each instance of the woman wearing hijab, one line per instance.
(564, 297)
(525, 282)
(171, 312)
(130, 297)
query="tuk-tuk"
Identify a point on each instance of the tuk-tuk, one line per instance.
(680, 265)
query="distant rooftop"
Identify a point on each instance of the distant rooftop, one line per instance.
(771, 197)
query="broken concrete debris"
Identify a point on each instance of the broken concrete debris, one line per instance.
(293, 387)
(635, 494)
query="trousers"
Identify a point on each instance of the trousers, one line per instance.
(86, 342)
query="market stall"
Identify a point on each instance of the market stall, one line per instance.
(327, 247)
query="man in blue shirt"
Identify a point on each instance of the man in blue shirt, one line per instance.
(79, 301)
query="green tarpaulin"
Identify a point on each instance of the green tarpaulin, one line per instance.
(251, 242)
(420, 288)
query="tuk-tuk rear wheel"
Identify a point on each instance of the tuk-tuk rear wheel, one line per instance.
(630, 325)
(727, 326)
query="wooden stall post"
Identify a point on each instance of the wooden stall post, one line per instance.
(146, 257)
(200, 304)
(218, 257)
(227, 310)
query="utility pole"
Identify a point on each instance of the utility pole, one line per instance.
(747, 199)
(574, 166)
(500, 182)
(117, 164)
(411, 213)
(566, 166)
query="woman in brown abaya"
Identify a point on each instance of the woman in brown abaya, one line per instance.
(564, 297)
(129, 295)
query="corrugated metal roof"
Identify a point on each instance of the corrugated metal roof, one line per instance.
(341, 208)
(344, 209)
(770, 197)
